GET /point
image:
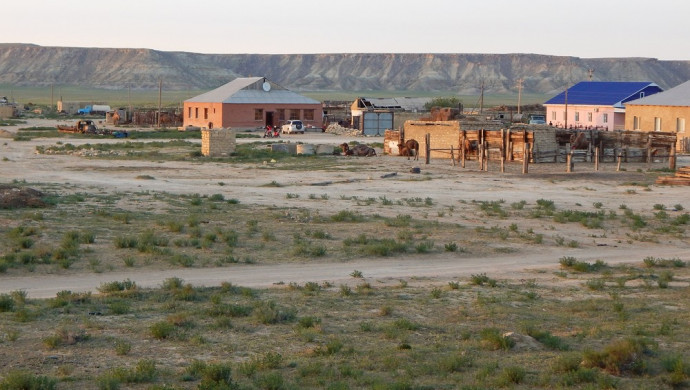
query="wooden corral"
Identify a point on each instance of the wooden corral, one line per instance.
(631, 146)
(541, 144)
(150, 118)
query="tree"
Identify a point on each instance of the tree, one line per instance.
(443, 102)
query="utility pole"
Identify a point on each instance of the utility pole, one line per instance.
(590, 71)
(519, 85)
(481, 99)
(160, 88)
(129, 100)
(566, 107)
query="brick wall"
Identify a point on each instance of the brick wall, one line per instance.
(217, 142)
(442, 136)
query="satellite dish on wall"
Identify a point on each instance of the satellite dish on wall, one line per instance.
(266, 86)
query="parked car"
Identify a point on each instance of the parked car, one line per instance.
(537, 120)
(292, 126)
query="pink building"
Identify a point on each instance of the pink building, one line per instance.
(250, 103)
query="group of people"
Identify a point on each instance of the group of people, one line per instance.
(271, 132)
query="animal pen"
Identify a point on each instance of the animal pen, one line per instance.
(531, 144)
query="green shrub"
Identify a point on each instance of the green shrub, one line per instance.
(115, 286)
(619, 357)
(6, 303)
(545, 337)
(454, 363)
(492, 339)
(511, 375)
(23, 380)
(268, 312)
(122, 347)
(162, 330)
(481, 279)
(217, 376)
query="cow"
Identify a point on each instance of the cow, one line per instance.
(409, 148)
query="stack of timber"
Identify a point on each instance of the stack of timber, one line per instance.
(681, 178)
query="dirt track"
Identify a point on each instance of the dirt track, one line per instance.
(444, 183)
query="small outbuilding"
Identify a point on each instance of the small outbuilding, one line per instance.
(250, 103)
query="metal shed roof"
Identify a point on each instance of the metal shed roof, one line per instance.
(676, 96)
(248, 90)
(601, 93)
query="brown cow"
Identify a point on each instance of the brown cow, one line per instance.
(411, 147)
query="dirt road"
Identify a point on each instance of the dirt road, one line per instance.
(445, 184)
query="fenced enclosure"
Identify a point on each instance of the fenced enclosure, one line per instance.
(446, 140)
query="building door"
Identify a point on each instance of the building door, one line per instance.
(269, 118)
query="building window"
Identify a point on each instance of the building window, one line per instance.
(196, 112)
(605, 118)
(636, 123)
(308, 115)
(281, 114)
(657, 123)
(641, 94)
(205, 113)
(258, 114)
(577, 116)
(553, 115)
(589, 117)
(294, 114)
(680, 125)
(189, 115)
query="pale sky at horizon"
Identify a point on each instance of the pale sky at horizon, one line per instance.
(593, 29)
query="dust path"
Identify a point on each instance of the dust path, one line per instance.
(436, 269)
(448, 186)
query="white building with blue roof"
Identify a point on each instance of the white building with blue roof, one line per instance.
(596, 104)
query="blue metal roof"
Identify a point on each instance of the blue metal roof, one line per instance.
(605, 93)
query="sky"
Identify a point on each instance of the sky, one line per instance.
(585, 28)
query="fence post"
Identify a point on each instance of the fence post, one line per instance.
(462, 147)
(620, 155)
(672, 157)
(480, 150)
(427, 139)
(525, 158)
(503, 151)
(452, 155)
(569, 162)
(596, 158)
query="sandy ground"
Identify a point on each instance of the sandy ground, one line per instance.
(444, 183)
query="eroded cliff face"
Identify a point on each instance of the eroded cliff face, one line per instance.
(31, 65)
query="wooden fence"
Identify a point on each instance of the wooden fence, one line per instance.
(446, 140)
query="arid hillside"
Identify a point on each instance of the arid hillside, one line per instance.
(32, 65)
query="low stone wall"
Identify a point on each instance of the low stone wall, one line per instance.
(217, 142)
